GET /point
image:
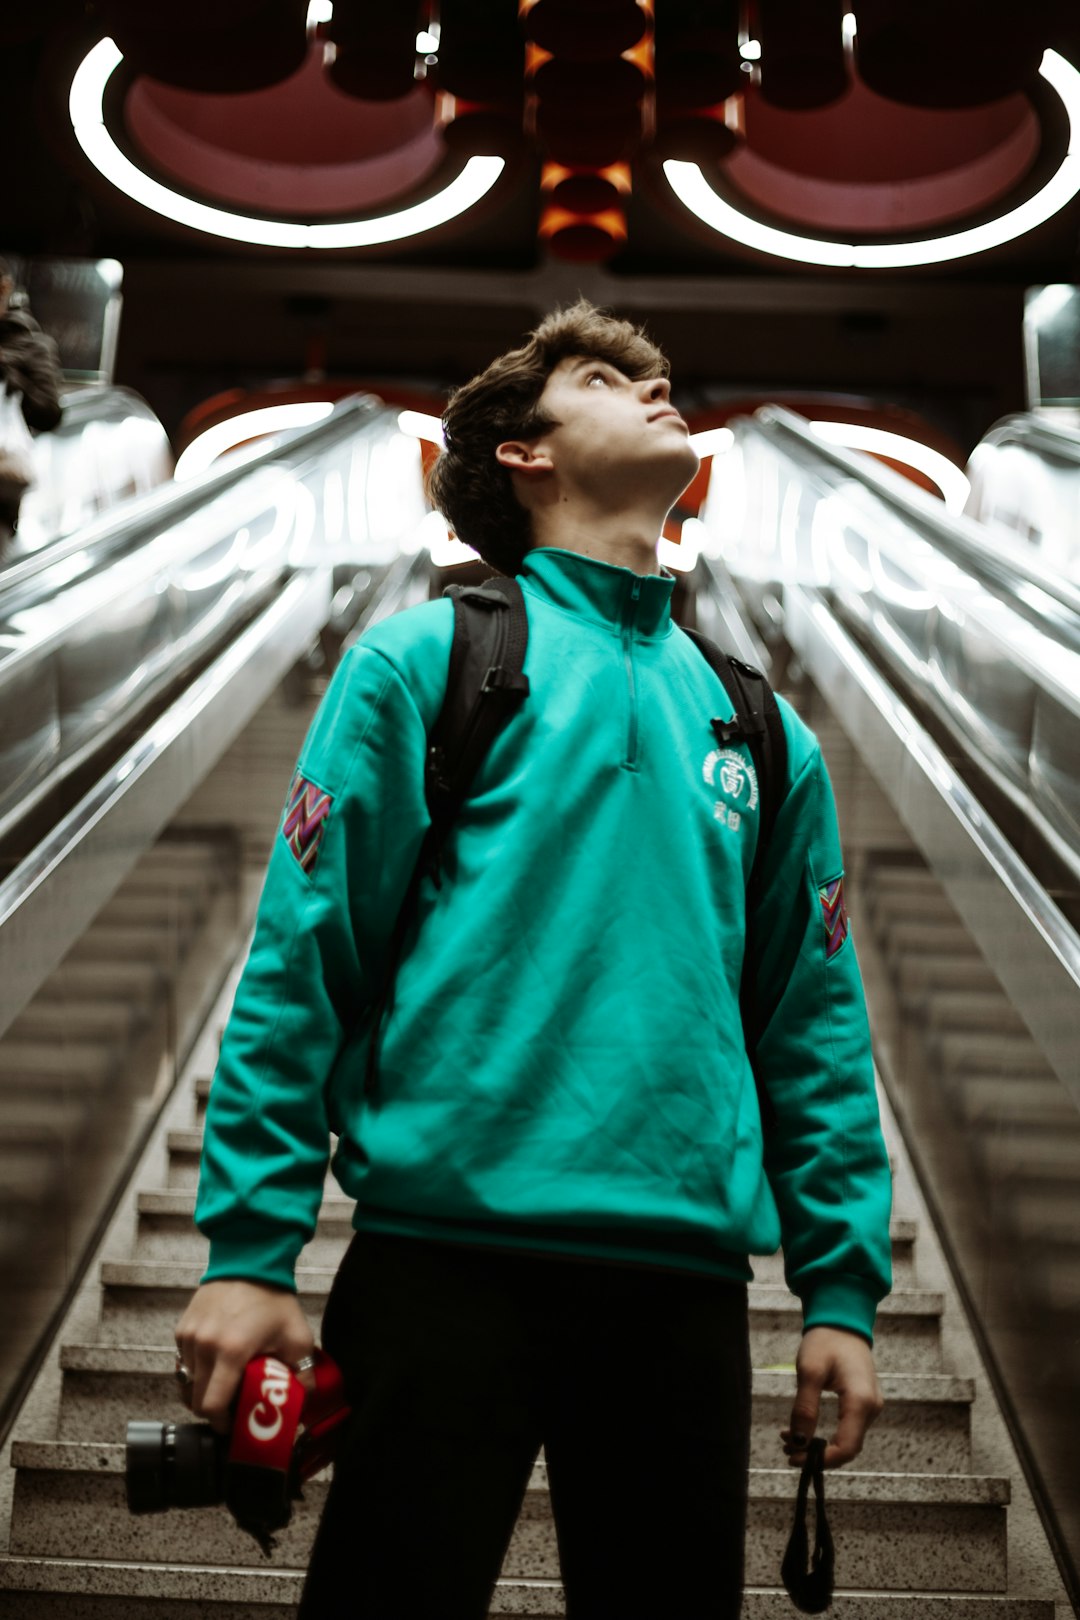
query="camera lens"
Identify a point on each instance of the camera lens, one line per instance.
(173, 1465)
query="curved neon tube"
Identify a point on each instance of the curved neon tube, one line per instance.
(712, 441)
(86, 110)
(694, 192)
(948, 477)
(223, 436)
(420, 426)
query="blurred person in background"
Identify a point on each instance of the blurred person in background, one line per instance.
(30, 368)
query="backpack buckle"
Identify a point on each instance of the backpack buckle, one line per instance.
(737, 729)
(477, 593)
(504, 680)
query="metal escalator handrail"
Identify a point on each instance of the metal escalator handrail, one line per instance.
(50, 898)
(146, 515)
(1022, 428)
(1022, 933)
(1006, 566)
(1038, 956)
(82, 404)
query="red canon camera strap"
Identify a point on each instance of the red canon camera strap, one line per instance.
(267, 1415)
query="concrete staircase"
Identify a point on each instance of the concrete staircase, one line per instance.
(919, 1529)
(998, 1095)
(82, 1064)
(932, 1521)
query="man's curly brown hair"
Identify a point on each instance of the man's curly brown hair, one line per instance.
(466, 484)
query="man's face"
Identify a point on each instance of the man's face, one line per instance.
(615, 435)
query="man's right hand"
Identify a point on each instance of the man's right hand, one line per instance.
(227, 1322)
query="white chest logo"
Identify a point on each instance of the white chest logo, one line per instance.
(737, 781)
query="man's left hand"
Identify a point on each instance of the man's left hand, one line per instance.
(833, 1358)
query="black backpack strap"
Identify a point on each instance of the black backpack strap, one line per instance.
(484, 687)
(485, 684)
(758, 723)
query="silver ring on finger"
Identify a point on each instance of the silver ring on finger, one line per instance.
(304, 1364)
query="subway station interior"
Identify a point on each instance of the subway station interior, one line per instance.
(269, 238)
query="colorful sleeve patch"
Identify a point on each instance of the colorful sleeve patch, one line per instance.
(834, 916)
(306, 812)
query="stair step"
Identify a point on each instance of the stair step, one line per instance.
(974, 1010)
(70, 1060)
(915, 937)
(1005, 1100)
(941, 972)
(157, 907)
(926, 1421)
(128, 981)
(184, 1149)
(1055, 1277)
(1038, 1204)
(32, 1123)
(1054, 1229)
(918, 903)
(124, 943)
(200, 878)
(179, 860)
(896, 1531)
(28, 1171)
(1034, 1154)
(902, 875)
(141, 1303)
(973, 1051)
(166, 1231)
(43, 1588)
(63, 1018)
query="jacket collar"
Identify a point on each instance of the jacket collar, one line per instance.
(600, 592)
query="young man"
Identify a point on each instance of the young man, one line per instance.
(563, 1168)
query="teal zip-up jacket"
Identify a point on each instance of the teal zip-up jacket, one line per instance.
(563, 1069)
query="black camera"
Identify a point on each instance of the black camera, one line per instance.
(281, 1434)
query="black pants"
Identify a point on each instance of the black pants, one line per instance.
(460, 1363)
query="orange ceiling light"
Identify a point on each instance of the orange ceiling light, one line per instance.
(589, 105)
(478, 128)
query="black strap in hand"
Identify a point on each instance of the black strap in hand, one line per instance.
(810, 1589)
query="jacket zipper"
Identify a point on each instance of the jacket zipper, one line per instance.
(628, 658)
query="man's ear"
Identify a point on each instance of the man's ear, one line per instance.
(518, 456)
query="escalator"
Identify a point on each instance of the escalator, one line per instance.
(966, 954)
(132, 654)
(944, 659)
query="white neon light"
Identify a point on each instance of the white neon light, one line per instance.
(945, 474)
(319, 11)
(426, 42)
(86, 110)
(849, 29)
(215, 441)
(446, 550)
(681, 557)
(693, 191)
(750, 50)
(419, 426)
(713, 441)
